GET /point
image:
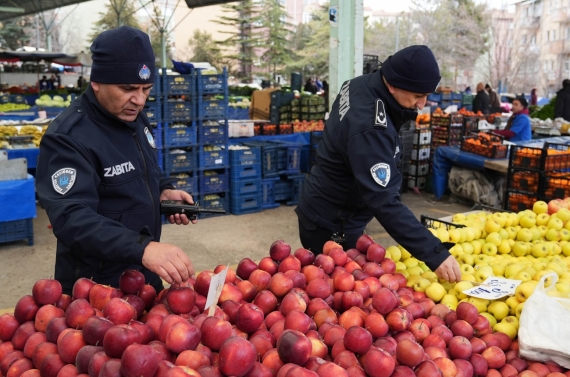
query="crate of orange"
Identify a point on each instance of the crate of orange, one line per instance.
(518, 201)
(484, 144)
(557, 185)
(524, 181)
(551, 157)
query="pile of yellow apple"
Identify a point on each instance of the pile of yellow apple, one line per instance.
(523, 246)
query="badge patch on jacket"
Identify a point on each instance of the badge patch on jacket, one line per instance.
(380, 119)
(381, 173)
(149, 137)
(63, 180)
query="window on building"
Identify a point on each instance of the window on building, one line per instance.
(567, 67)
(533, 40)
(568, 33)
(553, 34)
(306, 17)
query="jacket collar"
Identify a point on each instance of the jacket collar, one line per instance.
(398, 114)
(94, 108)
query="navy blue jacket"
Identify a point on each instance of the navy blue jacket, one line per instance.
(356, 175)
(99, 181)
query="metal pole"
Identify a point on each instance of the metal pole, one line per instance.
(37, 32)
(163, 48)
(397, 34)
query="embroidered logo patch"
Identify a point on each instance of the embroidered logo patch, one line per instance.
(149, 137)
(381, 173)
(144, 72)
(380, 119)
(63, 180)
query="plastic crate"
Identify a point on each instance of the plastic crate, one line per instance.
(17, 98)
(288, 157)
(420, 152)
(215, 159)
(519, 201)
(246, 204)
(245, 187)
(246, 172)
(177, 111)
(456, 96)
(213, 132)
(430, 222)
(179, 136)
(280, 98)
(282, 190)
(434, 97)
(467, 99)
(417, 168)
(296, 188)
(188, 184)
(158, 136)
(523, 181)
(419, 182)
(17, 230)
(551, 157)
(180, 162)
(422, 137)
(238, 113)
(160, 158)
(156, 89)
(153, 111)
(446, 96)
(251, 156)
(471, 123)
(211, 83)
(178, 84)
(212, 109)
(214, 182)
(556, 186)
(269, 164)
(284, 129)
(268, 193)
(214, 201)
(305, 158)
(488, 146)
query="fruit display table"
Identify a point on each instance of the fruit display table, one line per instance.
(18, 209)
(30, 154)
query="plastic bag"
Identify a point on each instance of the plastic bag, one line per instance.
(544, 331)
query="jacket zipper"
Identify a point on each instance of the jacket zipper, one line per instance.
(147, 179)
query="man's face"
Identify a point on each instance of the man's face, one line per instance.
(517, 106)
(125, 101)
(408, 100)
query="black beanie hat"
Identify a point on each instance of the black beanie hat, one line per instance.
(413, 68)
(122, 56)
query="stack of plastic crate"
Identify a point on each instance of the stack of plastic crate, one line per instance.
(246, 187)
(153, 111)
(178, 131)
(419, 167)
(211, 108)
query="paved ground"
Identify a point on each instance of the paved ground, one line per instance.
(213, 241)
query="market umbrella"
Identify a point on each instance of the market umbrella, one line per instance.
(82, 59)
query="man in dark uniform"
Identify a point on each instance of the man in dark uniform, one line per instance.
(356, 176)
(98, 176)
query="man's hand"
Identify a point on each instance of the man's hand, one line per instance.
(449, 270)
(169, 194)
(168, 261)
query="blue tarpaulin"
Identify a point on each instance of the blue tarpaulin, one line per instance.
(30, 154)
(17, 199)
(302, 138)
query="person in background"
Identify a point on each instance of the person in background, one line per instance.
(52, 82)
(467, 90)
(494, 100)
(80, 82)
(562, 104)
(98, 176)
(357, 174)
(310, 86)
(319, 84)
(58, 80)
(326, 94)
(44, 83)
(481, 101)
(518, 126)
(533, 97)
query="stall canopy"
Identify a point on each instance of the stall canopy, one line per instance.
(17, 8)
(13, 56)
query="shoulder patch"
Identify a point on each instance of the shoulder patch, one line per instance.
(63, 180)
(381, 173)
(149, 137)
(380, 115)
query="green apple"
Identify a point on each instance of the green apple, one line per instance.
(540, 206)
(498, 309)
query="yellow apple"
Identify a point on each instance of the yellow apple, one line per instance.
(506, 328)
(458, 218)
(523, 276)
(540, 206)
(519, 310)
(513, 320)
(471, 233)
(504, 247)
(498, 309)
(523, 291)
(492, 225)
(450, 301)
(423, 266)
(421, 285)
(435, 291)
(467, 277)
(494, 238)
(539, 250)
(443, 234)
(512, 302)
(460, 287)
(410, 262)
(527, 221)
(404, 272)
(555, 223)
(405, 253)
(542, 219)
(412, 279)
(432, 276)
(512, 269)
(483, 273)
(531, 271)
(489, 249)
(552, 234)
(480, 303)
(542, 229)
(536, 233)
(490, 318)
(400, 266)
(467, 247)
(514, 219)
(454, 235)
(554, 267)
(395, 253)
(524, 234)
(512, 232)
(415, 271)
(501, 218)
(563, 287)
(520, 248)
(498, 269)
(468, 259)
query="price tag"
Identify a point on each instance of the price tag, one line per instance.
(494, 288)
(216, 285)
(218, 161)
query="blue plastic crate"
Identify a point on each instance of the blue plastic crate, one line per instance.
(268, 193)
(245, 187)
(161, 160)
(158, 135)
(269, 165)
(282, 190)
(251, 156)
(246, 204)
(178, 84)
(434, 97)
(296, 187)
(305, 163)
(211, 84)
(153, 111)
(288, 157)
(237, 113)
(18, 98)
(156, 89)
(214, 183)
(212, 109)
(179, 136)
(214, 201)
(445, 104)
(188, 184)
(17, 230)
(456, 96)
(213, 132)
(213, 159)
(180, 162)
(240, 172)
(446, 96)
(177, 111)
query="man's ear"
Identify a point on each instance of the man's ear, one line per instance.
(95, 86)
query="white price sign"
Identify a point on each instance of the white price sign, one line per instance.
(494, 288)
(216, 285)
